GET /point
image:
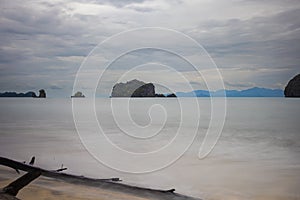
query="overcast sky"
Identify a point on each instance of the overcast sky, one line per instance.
(43, 43)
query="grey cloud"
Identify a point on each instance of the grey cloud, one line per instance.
(239, 85)
(55, 87)
(117, 3)
(199, 85)
(270, 42)
(39, 39)
(237, 32)
(141, 9)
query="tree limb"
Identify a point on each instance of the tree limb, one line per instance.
(14, 187)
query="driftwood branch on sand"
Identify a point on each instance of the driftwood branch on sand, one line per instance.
(14, 187)
(48, 173)
(109, 183)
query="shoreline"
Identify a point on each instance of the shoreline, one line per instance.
(78, 187)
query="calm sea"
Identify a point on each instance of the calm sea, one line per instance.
(256, 157)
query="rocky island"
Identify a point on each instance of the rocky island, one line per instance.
(293, 87)
(14, 94)
(42, 94)
(78, 95)
(136, 88)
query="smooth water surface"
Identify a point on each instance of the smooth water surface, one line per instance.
(256, 157)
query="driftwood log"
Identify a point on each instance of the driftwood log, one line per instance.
(109, 183)
(48, 173)
(10, 191)
(14, 187)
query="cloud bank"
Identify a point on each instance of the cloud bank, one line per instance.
(43, 43)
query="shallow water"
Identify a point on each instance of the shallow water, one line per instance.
(256, 157)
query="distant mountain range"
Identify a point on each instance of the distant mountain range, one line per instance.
(251, 92)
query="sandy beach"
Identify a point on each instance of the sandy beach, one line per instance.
(48, 188)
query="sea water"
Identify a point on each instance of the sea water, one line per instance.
(256, 157)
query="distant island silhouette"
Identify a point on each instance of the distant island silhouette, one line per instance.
(42, 94)
(293, 87)
(78, 95)
(137, 89)
(251, 92)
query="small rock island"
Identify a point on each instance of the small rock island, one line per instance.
(136, 88)
(293, 87)
(78, 95)
(42, 93)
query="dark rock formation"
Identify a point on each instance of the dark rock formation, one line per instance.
(14, 94)
(136, 88)
(293, 87)
(171, 95)
(33, 95)
(42, 93)
(160, 95)
(78, 95)
(127, 89)
(28, 94)
(146, 90)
